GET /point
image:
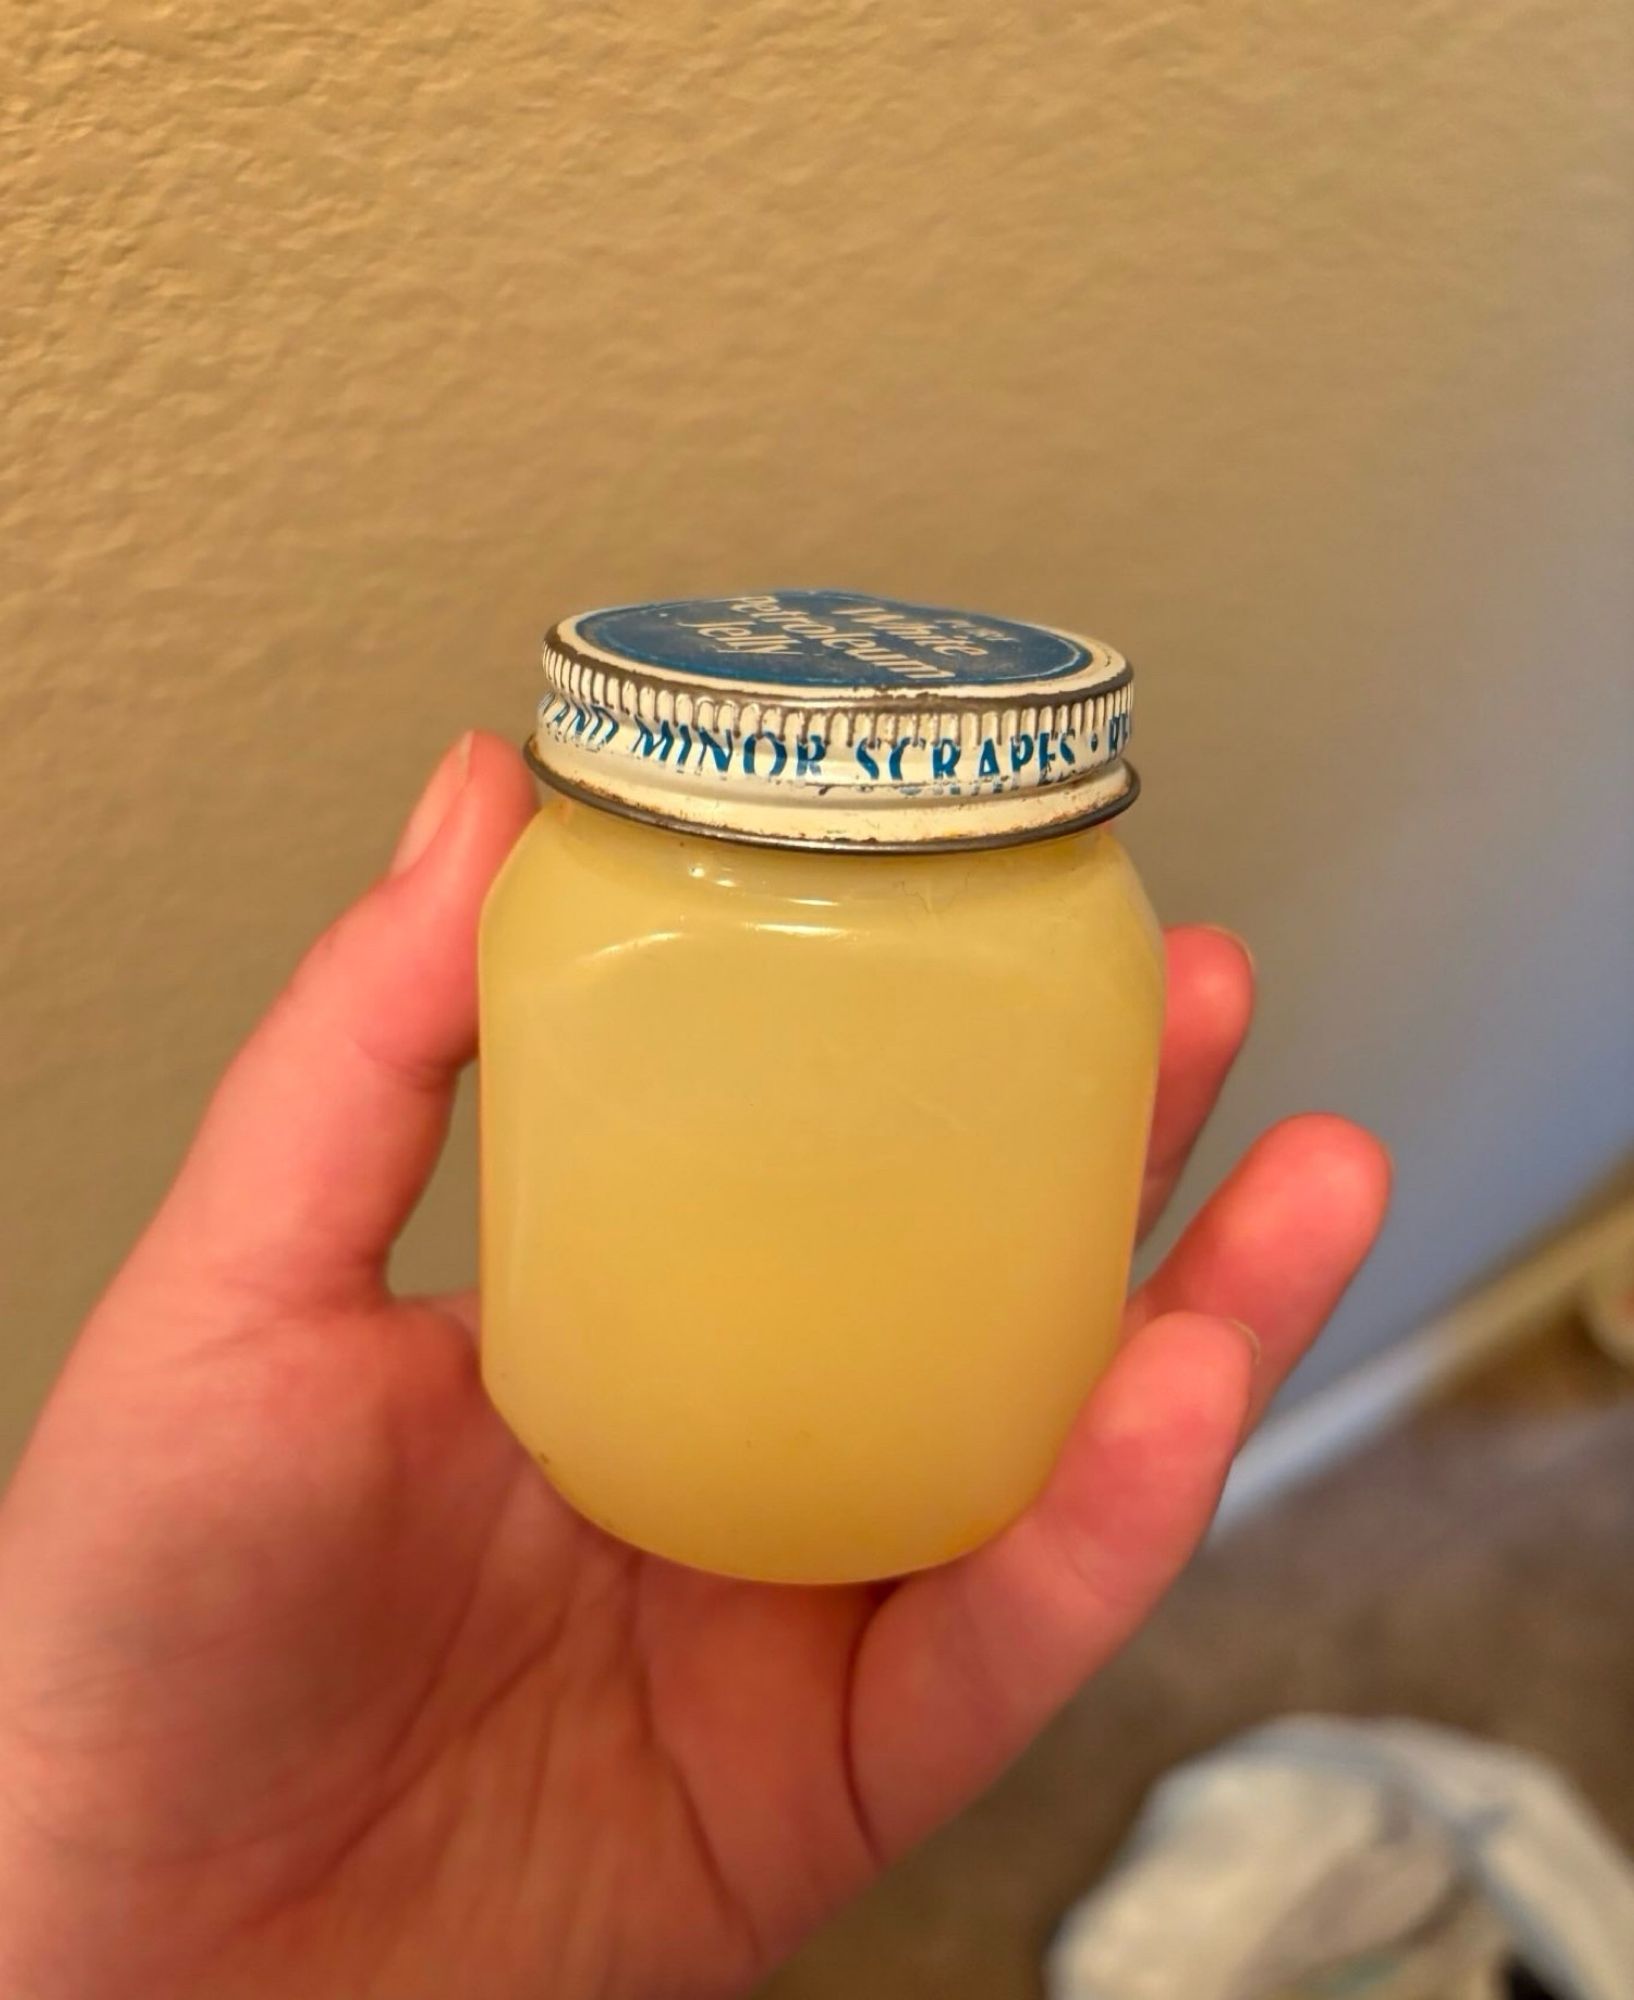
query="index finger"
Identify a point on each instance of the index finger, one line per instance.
(1209, 1004)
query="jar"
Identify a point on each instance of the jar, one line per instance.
(820, 1017)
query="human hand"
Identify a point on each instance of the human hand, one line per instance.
(311, 1685)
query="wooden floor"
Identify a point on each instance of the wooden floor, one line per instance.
(1474, 1569)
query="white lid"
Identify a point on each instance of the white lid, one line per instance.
(828, 718)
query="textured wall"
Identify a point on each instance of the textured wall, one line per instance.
(1283, 346)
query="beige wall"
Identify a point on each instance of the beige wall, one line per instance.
(1283, 346)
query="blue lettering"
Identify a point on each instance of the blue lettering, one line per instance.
(899, 750)
(866, 758)
(988, 764)
(719, 747)
(1046, 756)
(657, 743)
(944, 757)
(1021, 750)
(1068, 754)
(780, 752)
(808, 756)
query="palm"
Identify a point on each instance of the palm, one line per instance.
(368, 1701)
(544, 1722)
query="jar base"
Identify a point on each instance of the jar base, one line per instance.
(838, 1575)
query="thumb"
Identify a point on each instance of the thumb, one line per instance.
(323, 1132)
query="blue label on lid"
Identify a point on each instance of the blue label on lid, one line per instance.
(830, 639)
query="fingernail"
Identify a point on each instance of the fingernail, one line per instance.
(1242, 944)
(435, 802)
(1252, 1338)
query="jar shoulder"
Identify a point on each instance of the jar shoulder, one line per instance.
(579, 881)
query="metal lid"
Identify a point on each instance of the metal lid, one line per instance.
(827, 718)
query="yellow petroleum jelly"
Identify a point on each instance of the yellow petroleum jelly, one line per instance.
(817, 1065)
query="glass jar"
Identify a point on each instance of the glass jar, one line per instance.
(820, 1016)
